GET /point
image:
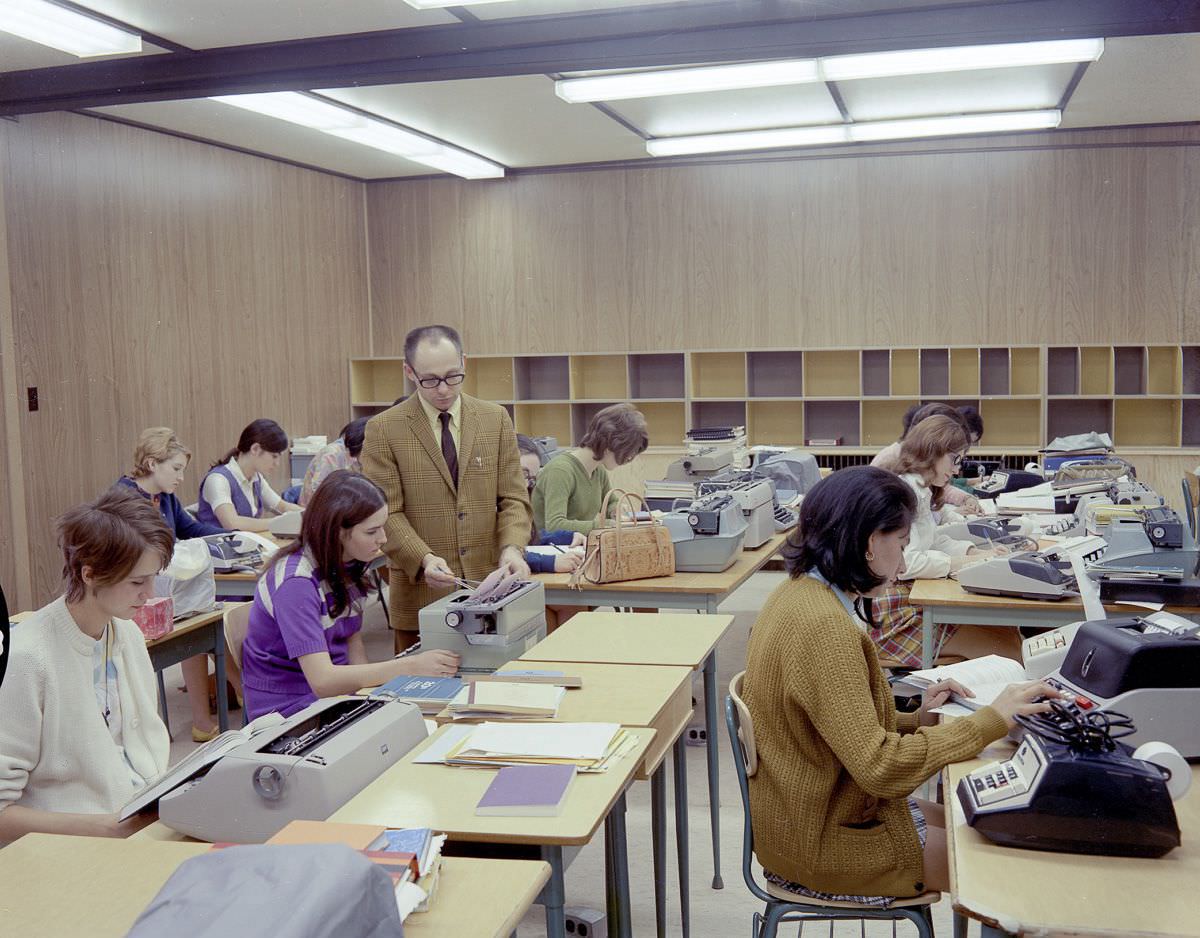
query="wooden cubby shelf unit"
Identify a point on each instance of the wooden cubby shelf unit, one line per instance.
(1146, 396)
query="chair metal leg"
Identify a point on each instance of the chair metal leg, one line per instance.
(961, 924)
(770, 928)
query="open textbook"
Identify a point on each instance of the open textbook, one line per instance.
(986, 677)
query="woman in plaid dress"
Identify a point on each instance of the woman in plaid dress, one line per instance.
(929, 457)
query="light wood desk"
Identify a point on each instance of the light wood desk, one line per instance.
(200, 634)
(640, 695)
(630, 638)
(1032, 892)
(444, 797)
(702, 592)
(55, 886)
(944, 601)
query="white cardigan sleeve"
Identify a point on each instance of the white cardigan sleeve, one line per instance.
(929, 552)
(21, 702)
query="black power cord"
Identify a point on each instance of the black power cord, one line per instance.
(1082, 731)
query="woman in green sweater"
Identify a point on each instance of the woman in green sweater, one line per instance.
(831, 803)
(571, 487)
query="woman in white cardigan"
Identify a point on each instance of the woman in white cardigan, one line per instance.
(80, 732)
(929, 456)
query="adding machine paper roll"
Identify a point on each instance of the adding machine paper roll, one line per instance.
(1166, 756)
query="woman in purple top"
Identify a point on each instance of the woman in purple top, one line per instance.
(303, 641)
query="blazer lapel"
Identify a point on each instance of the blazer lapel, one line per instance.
(469, 424)
(423, 432)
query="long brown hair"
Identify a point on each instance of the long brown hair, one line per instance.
(342, 500)
(926, 443)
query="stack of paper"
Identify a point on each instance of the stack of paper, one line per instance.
(587, 746)
(485, 699)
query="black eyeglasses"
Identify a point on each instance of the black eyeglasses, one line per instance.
(451, 381)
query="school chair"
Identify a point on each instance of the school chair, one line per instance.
(781, 905)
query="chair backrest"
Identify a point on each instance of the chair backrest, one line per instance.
(745, 761)
(237, 622)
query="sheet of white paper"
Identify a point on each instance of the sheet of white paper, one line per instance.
(548, 740)
(549, 550)
(990, 669)
(435, 753)
(1089, 589)
(1153, 607)
(952, 710)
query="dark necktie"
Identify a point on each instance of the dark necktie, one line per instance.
(449, 453)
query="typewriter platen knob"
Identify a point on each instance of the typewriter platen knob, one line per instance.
(454, 619)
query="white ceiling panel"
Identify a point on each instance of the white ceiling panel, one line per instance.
(516, 121)
(1139, 80)
(220, 123)
(999, 89)
(206, 24)
(722, 111)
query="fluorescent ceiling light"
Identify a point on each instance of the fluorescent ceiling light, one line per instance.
(958, 124)
(959, 59)
(462, 163)
(60, 28)
(748, 140)
(854, 133)
(687, 80)
(438, 4)
(387, 138)
(295, 108)
(832, 68)
(338, 121)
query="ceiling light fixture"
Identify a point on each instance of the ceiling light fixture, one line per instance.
(687, 80)
(831, 68)
(330, 118)
(959, 59)
(854, 133)
(64, 29)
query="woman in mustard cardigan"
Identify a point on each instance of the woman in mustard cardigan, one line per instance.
(831, 802)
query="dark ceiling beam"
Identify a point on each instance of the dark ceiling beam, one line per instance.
(625, 38)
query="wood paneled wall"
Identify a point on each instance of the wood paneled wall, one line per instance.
(1068, 238)
(156, 281)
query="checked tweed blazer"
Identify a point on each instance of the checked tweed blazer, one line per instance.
(466, 527)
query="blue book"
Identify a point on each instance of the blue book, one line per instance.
(431, 694)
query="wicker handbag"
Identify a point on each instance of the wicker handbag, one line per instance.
(625, 550)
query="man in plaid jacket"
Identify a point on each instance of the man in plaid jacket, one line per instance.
(449, 465)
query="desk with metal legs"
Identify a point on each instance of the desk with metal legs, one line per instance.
(444, 798)
(640, 638)
(944, 601)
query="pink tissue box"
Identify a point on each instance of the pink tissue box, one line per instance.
(156, 618)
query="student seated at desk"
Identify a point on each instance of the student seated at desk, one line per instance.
(159, 461)
(957, 499)
(831, 803)
(531, 465)
(928, 458)
(303, 641)
(573, 485)
(79, 725)
(235, 493)
(342, 453)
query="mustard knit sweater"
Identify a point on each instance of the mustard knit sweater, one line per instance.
(836, 762)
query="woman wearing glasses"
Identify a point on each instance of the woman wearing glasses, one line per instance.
(929, 457)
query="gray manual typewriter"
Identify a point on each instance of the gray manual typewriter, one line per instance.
(488, 633)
